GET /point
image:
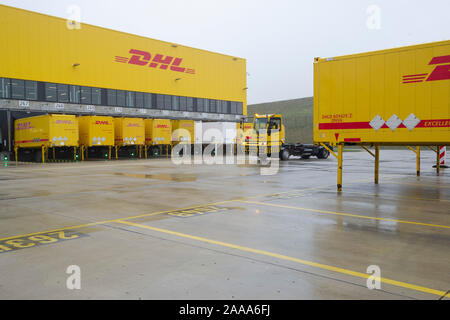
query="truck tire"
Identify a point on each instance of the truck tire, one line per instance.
(284, 155)
(323, 154)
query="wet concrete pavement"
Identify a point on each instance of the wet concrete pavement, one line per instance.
(149, 229)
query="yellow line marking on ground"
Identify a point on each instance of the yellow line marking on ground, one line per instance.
(438, 186)
(346, 214)
(288, 258)
(114, 220)
(394, 197)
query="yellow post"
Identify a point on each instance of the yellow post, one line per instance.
(145, 150)
(117, 152)
(340, 160)
(109, 152)
(377, 163)
(82, 152)
(418, 160)
(438, 160)
(74, 153)
(87, 152)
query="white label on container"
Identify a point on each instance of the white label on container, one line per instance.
(411, 122)
(24, 104)
(393, 122)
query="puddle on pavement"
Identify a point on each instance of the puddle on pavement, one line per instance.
(161, 176)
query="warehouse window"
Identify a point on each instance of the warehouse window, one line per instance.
(63, 93)
(175, 103)
(160, 101)
(130, 98)
(212, 105)
(17, 89)
(31, 90)
(240, 109)
(219, 106)
(167, 102)
(206, 105)
(74, 94)
(85, 95)
(190, 104)
(139, 99)
(50, 92)
(96, 96)
(148, 100)
(5, 88)
(228, 107)
(233, 107)
(183, 103)
(111, 97)
(200, 104)
(121, 98)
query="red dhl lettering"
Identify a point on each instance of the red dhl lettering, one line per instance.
(144, 58)
(24, 126)
(102, 122)
(63, 122)
(134, 125)
(161, 126)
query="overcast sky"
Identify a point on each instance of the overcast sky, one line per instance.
(279, 38)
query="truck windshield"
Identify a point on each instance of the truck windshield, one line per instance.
(260, 123)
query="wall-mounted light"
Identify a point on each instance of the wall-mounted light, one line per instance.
(76, 65)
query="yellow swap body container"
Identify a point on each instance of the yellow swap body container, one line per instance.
(398, 96)
(158, 131)
(129, 131)
(51, 130)
(183, 131)
(96, 131)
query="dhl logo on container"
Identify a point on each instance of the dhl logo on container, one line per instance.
(63, 122)
(440, 72)
(103, 123)
(134, 125)
(162, 126)
(24, 126)
(144, 58)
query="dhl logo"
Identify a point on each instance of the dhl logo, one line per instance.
(102, 122)
(63, 122)
(144, 58)
(24, 126)
(134, 125)
(440, 72)
(162, 126)
(186, 125)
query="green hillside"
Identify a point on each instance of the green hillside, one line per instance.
(297, 116)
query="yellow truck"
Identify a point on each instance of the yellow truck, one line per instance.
(34, 136)
(129, 136)
(183, 131)
(158, 135)
(268, 135)
(96, 135)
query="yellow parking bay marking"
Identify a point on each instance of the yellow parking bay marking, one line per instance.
(288, 258)
(113, 220)
(347, 214)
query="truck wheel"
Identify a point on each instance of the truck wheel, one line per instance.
(323, 154)
(284, 155)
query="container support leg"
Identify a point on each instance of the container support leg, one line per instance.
(82, 152)
(43, 154)
(340, 161)
(117, 152)
(377, 163)
(438, 160)
(74, 153)
(145, 151)
(109, 152)
(418, 160)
